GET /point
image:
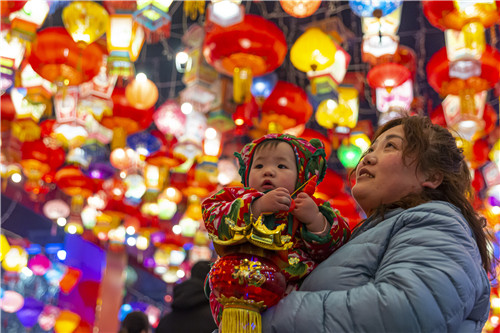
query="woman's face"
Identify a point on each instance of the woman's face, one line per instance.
(382, 177)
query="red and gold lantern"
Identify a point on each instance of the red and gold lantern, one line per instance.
(250, 48)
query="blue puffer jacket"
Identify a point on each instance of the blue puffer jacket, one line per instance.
(419, 270)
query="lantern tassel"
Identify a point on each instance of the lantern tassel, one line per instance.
(240, 320)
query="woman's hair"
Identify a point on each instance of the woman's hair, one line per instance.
(135, 322)
(435, 151)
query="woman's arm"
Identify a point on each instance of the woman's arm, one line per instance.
(428, 279)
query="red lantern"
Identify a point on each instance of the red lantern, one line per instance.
(437, 116)
(250, 48)
(125, 116)
(331, 185)
(244, 285)
(480, 150)
(438, 73)
(388, 76)
(56, 57)
(52, 156)
(300, 8)
(286, 107)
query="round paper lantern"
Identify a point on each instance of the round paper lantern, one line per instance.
(388, 76)
(55, 209)
(57, 58)
(28, 314)
(47, 319)
(50, 155)
(126, 117)
(300, 8)
(15, 260)
(364, 8)
(73, 182)
(314, 50)
(331, 185)
(349, 155)
(264, 285)
(310, 133)
(285, 108)
(169, 119)
(86, 21)
(141, 92)
(144, 143)
(67, 322)
(250, 48)
(39, 264)
(11, 301)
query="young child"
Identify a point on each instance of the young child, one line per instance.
(272, 168)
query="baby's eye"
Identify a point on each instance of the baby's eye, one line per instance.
(258, 166)
(282, 166)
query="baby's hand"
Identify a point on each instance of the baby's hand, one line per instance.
(273, 201)
(307, 212)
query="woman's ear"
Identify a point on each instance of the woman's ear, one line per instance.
(433, 181)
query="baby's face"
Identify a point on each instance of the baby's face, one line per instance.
(273, 166)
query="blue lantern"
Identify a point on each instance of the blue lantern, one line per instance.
(144, 143)
(28, 314)
(374, 8)
(262, 86)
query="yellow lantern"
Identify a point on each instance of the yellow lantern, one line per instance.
(86, 21)
(15, 260)
(343, 114)
(67, 322)
(4, 247)
(125, 38)
(313, 50)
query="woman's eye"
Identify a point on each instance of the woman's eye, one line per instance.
(369, 150)
(390, 144)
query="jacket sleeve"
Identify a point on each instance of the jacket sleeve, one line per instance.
(429, 279)
(231, 202)
(321, 247)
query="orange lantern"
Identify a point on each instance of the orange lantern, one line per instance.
(449, 14)
(70, 279)
(57, 58)
(285, 108)
(66, 322)
(300, 8)
(250, 48)
(141, 93)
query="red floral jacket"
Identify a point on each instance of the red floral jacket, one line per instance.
(308, 249)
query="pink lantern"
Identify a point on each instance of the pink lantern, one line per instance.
(47, 318)
(11, 301)
(169, 119)
(39, 264)
(55, 209)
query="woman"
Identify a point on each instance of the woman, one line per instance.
(419, 260)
